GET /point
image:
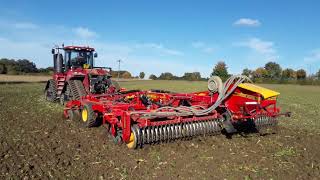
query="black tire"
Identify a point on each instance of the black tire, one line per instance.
(50, 92)
(89, 118)
(74, 115)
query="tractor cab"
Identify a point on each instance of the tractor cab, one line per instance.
(73, 57)
(79, 57)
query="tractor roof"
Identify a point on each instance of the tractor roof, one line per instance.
(79, 48)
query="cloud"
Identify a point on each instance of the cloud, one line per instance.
(203, 47)
(35, 51)
(258, 45)
(313, 56)
(25, 25)
(247, 22)
(159, 47)
(16, 25)
(84, 33)
(208, 50)
(137, 58)
(109, 52)
(149, 57)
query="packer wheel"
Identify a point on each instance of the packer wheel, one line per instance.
(74, 115)
(133, 140)
(88, 116)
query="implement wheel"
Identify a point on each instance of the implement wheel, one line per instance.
(74, 115)
(133, 141)
(88, 116)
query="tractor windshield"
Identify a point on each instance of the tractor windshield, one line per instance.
(82, 59)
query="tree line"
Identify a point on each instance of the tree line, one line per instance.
(190, 76)
(271, 72)
(24, 66)
(21, 66)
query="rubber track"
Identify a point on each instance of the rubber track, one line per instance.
(53, 88)
(77, 89)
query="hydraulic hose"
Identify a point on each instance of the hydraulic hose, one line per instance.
(228, 88)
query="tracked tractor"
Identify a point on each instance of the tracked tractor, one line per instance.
(141, 117)
(76, 76)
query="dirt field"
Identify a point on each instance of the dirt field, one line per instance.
(36, 142)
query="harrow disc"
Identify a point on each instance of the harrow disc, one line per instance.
(166, 133)
(265, 122)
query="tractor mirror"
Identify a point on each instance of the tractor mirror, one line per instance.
(52, 51)
(95, 55)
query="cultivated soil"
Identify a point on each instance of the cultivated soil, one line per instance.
(36, 142)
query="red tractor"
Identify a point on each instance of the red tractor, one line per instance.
(148, 117)
(75, 75)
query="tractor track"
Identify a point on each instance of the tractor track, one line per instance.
(77, 89)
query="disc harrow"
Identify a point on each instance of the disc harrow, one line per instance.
(138, 118)
(265, 122)
(165, 133)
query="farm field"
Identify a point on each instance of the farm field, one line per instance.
(22, 78)
(37, 142)
(17, 79)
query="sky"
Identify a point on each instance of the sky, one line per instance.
(167, 36)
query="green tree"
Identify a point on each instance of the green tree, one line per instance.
(247, 72)
(26, 66)
(166, 76)
(141, 75)
(194, 76)
(3, 69)
(274, 70)
(221, 70)
(301, 74)
(260, 73)
(289, 74)
(11, 65)
(153, 77)
(318, 74)
(19, 66)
